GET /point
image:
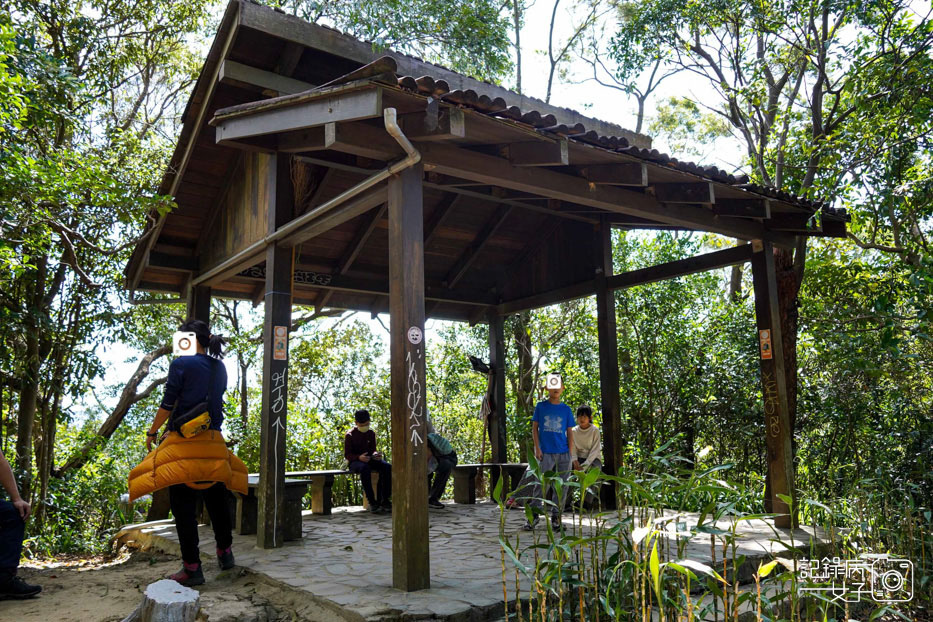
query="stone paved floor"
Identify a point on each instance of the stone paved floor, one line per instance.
(345, 560)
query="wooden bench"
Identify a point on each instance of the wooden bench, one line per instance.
(321, 484)
(465, 478)
(247, 507)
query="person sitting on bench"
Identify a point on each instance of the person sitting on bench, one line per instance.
(587, 448)
(359, 448)
(441, 460)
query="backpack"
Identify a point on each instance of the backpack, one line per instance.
(440, 445)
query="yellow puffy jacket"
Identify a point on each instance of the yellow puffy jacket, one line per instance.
(199, 462)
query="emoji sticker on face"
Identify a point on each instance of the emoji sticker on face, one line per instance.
(415, 335)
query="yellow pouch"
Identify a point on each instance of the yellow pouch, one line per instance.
(195, 426)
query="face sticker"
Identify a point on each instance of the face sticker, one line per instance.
(415, 335)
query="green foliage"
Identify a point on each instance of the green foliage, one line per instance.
(634, 563)
(470, 37)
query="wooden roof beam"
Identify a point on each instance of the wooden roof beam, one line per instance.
(472, 252)
(449, 123)
(799, 222)
(681, 267)
(621, 174)
(540, 153)
(440, 214)
(743, 208)
(380, 287)
(169, 261)
(449, 160)
(660, 272)
(346, 105)
(513, 202)
(232, 72)
(359, 241)
(684, 192)
(342, 213)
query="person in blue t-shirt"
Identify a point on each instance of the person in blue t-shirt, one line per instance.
(552, 431)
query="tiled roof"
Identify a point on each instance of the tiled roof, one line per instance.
(383, 70)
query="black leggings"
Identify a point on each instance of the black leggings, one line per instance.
(184, 507)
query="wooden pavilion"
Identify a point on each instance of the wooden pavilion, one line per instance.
(312, 170)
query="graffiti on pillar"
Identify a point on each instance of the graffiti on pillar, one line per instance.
(415, 406)
(278, 392)
(772, 402)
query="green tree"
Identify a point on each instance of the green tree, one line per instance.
(820, 94)
(470, 37)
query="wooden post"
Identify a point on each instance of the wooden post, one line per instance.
(608, 363)
(199, 303)
(410, 550)
(773, 384)
(270, 532)
(497, 416)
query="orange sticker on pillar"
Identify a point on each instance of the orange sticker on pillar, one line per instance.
(280, 343)
(764, 338)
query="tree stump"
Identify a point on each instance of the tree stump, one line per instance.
(167, 601)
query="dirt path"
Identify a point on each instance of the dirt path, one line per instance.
(107, 590)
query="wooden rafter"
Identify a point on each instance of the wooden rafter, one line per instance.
(472, 252)
(441, 212)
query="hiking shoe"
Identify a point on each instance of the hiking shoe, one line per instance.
(556, 522)
(531, 526)
(189, 575)
(386, 506)
(225, 558)
(16, 589)
(437, 505)
(374, 508)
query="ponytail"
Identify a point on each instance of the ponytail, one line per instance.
(215, 345)
(212, 344)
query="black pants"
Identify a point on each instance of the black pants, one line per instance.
(184, 502)
(12, 529)
(445, 464)
(365, 469)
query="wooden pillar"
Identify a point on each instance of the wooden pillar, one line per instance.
(608, 363)
(278, 313)
(199, 303)
(497, 417)
(410, 551)
(773, 384)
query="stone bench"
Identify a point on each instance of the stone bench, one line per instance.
(465, 478)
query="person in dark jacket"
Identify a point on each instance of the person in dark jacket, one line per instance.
(13, 515)
(359, 448)
(187, 385)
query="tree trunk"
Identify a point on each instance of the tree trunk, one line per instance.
(128, 397)
(735, 282)
(29, 394)
(244, 398)
(167, 601)
(524, 393)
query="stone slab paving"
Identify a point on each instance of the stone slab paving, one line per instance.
(345, 560)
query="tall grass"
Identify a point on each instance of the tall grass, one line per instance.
(640, 562)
